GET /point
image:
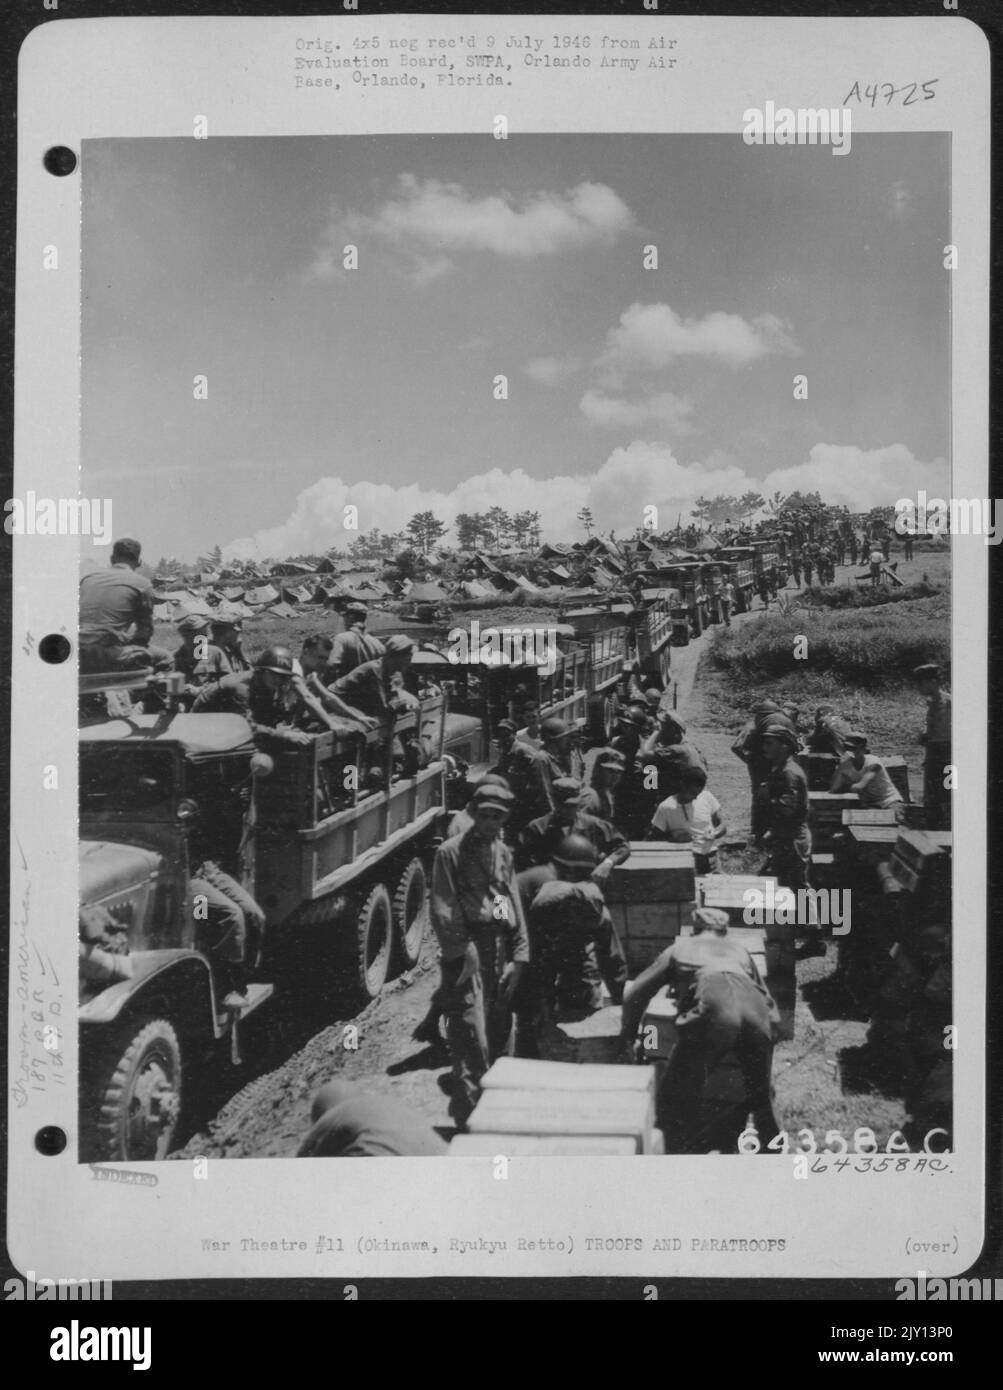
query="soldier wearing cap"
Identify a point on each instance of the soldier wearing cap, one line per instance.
(228, 636)
(599, 798)
(723, 1007)
(541, 837)
(353, 647)
(555, 749)
(367, 689)
(785, 800)
(197, 658)
(116, 616)
(573, 947)
(937, 740)
(861, 772)
(477, 917)
(749, 748)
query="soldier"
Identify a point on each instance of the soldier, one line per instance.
(348, 1122)
(477, 917)
(937, 740)
(829, 732)
(197, 658)
(574, 948)
(229, 915)
(809, 564)
(353, 647)
(863, 773)
(599, 798)
(555, 752)
(227, 634)
(877, 559)
(262, 697)
(785, 798)
(531, 733)
(796, 567)
(520, 765)
(542, 836)
(749, 748)
(723, 1007)
(727, 601)
(116, 616)
(910, 541)
(367, 689)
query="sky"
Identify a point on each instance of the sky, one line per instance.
(626, 386)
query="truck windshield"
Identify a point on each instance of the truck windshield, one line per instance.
(114, 779)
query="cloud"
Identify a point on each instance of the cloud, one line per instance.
(631, 478)
(427, 222)
(650, 336)
(550, 370)
(613, 412)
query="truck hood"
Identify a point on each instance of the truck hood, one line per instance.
(108, 868)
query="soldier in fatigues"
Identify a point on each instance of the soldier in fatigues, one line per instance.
(937, 739)
(574, 948)
(723, 1007)
(477, 918)
(785, 798)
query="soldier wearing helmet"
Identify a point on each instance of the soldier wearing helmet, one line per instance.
(573, 948)
(261, 695)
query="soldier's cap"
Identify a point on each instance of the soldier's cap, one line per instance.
(653, 695)
(567, 790)
(128, 548)
(765, 707)
(855, 737)
(611, 757)
(782, 732)
(824, 710)
(508, 725)
(226, 620)
(930, 671)
(711, 917)
(575, 852)
(398, 643)
(491, 795)
(552, 727)
(358, 610)
(193, 622)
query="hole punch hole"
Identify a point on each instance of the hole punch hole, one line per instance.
(54, 648)
(60, 160)
(50, 1140)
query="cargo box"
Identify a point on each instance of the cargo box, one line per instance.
(550, 1145)
(625, 1114)
(523, 1074)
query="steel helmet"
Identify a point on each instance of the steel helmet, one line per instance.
(277, 659)
(575, 852)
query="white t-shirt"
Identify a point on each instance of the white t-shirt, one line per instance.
(695, 817)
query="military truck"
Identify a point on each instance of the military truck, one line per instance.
(741, 560)
(687, 577)
(652, 633)
(331, 837)
(605, 634)
(494, 684)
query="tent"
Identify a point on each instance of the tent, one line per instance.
(264, 594)
(281, 610)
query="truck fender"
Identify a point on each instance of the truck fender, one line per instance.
(153, 970)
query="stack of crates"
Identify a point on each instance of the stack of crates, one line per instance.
(651, 899)
(728, 892)
(533, 1109)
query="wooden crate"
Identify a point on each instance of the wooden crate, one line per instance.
(898, 772)
(644, 929)
(549, 1145)
(727, 892)
(819, 768)
(523, 1074)
(624, 1114)
(825, 816)
(653, 874)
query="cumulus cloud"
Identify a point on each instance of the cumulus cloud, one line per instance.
(669, 411)
(550, 370)
(650, 336)
(427, 221)
(631, 478)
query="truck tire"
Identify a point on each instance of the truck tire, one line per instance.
(374, 941)
(138, 1102)
(410, 914)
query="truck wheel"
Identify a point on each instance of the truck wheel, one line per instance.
(139, 1099)
(374, 936)
(410, 913)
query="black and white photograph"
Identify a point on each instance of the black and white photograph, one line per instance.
(522, 571)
